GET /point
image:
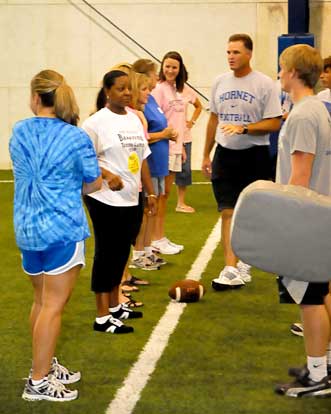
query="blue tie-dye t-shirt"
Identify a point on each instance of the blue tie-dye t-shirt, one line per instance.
(51, 160)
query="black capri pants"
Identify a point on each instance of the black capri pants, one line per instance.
(115, 229)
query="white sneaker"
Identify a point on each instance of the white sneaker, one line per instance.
(49, 389)
(163, 247)
(229, 278)
(62, 373)
(178, 246)
(245, 271)
(143, 263)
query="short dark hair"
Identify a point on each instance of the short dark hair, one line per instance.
(182, 75)
(242, 37)
(327, 63)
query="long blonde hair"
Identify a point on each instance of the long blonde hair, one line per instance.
(137, 80)
(54, 91)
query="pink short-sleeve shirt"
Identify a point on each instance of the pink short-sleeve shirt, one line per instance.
(174, 105)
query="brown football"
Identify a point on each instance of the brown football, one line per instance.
(187, 290)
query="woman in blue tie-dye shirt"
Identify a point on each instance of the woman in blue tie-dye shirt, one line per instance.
(54, 162)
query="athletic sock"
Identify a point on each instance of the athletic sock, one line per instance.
(115, 309)
(148, 250)
(317, 367)
(102, 319)
(137, 253)
(38, 382)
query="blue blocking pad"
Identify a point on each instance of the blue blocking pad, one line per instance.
(284, 229)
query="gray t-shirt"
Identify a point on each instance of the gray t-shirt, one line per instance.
(307, 129)
(243, 100)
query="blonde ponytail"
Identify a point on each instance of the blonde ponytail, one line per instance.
(54, 91)
(65, 105)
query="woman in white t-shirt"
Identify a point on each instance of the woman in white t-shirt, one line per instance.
(122, 149)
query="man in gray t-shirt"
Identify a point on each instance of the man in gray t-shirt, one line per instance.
(304, 158)
(244, 109)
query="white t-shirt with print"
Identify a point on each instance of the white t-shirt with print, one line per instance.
(243, 100)
(121, 147)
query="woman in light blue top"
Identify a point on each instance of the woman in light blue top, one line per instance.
(54, 162)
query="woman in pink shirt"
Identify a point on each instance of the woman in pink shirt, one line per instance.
(173, 97)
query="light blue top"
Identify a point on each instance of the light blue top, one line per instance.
(51, 160)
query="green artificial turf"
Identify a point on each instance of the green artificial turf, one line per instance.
(224, 357)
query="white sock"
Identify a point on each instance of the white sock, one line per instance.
(148, 250)
(317, 367)
(102, 319)
(328, 354)
(37, 382)
(116, 308)
(137, 253)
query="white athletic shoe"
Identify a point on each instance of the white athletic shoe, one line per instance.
(162, 246)
(178, 246)
(49, 389)
(229, 278)
(245, 271)
(62, 373)
(143, 263)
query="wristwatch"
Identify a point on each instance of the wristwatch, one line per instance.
(245, 129)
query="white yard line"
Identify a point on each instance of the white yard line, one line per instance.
(129, 394)
(6, 181)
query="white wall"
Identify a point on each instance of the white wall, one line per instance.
(69, 37)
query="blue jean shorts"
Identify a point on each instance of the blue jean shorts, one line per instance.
(55, 260)
(158, 185)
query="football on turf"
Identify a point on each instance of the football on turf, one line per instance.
(187, 290)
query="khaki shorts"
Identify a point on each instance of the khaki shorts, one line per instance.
(175, 163)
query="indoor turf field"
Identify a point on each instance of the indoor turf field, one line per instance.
(224, 357)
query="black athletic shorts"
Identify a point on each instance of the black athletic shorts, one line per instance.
(115, 229)
(301, 293)
(233, 170)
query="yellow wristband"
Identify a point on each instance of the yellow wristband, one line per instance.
(152, 195)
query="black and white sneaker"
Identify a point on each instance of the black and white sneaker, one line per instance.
(157, 260)
(304, 386)
(49, 389)
(297, 329)
(126, 313)
(112, 325)
(299, 371)
(62, 374)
